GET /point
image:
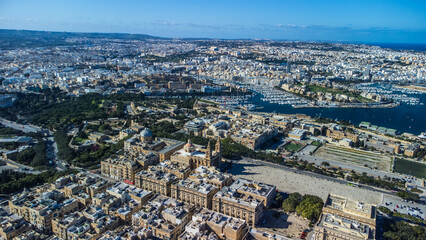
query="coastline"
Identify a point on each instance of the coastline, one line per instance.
(385, 105)
(411, 87)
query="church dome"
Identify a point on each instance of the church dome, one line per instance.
(189, 147)
(146, 133)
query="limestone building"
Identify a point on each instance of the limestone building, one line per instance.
(212, 176)
(343, 218)
(155, 180)
(146, 143)
(194, 157)
(40, 209)
(197, 194)
(124, 167)
(207, 224)
(245, 199)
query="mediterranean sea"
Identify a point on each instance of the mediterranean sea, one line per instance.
(404, 118)
(401, 46)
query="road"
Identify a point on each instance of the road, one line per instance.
(313, 175)
(52, 151)
(95, 175)
(20, 127)
(52, 148)
(20, 167)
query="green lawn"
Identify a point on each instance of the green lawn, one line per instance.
(409, 167)
(293, 147)
(81, 140)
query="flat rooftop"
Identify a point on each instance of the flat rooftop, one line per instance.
(348, 205)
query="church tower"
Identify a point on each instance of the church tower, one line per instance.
(218, 146)
(209, 151)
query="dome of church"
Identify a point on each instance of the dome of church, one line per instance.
(189, 147)
(146, 133)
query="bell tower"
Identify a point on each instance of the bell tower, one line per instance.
(218, 148)
(209, 151)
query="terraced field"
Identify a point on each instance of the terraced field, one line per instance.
(355, 157)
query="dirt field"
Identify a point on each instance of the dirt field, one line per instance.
(286, 225)
(355, 157)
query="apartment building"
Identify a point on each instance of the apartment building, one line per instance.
(155, 180)
(252, 135)
(207, 224)
(245, 199)
(165, 218)
(339, 134)
(197, 194)
(343, 218)
(11, 225)
(39, 209)
(124, 167)
(212, 176)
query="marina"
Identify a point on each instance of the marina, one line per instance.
(406, 116)
(395, 93)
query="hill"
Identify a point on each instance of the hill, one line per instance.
(11, 39)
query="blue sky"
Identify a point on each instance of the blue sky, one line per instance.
(401, 21)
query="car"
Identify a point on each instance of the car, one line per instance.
(303, 235)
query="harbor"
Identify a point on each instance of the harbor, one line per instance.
(405, 115)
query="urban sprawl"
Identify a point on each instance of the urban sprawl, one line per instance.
(120, 138)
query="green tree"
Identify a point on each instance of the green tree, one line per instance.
(416, 190)
(290, 203)
(385, 210)
(402, 230)
(310, 207)
(408, 195)
(82, 134)
(64, 151)
(105, 127)
(324, 163)
(26, 156)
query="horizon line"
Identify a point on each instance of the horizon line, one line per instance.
(226, 39)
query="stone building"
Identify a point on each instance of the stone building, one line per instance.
(194, 157)
(343, 218)
(146, 143)
(212, 176)
(197, 194)
(207, 224)
(245, 199)
(124, 167)
(39, 210)
(155, 180)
